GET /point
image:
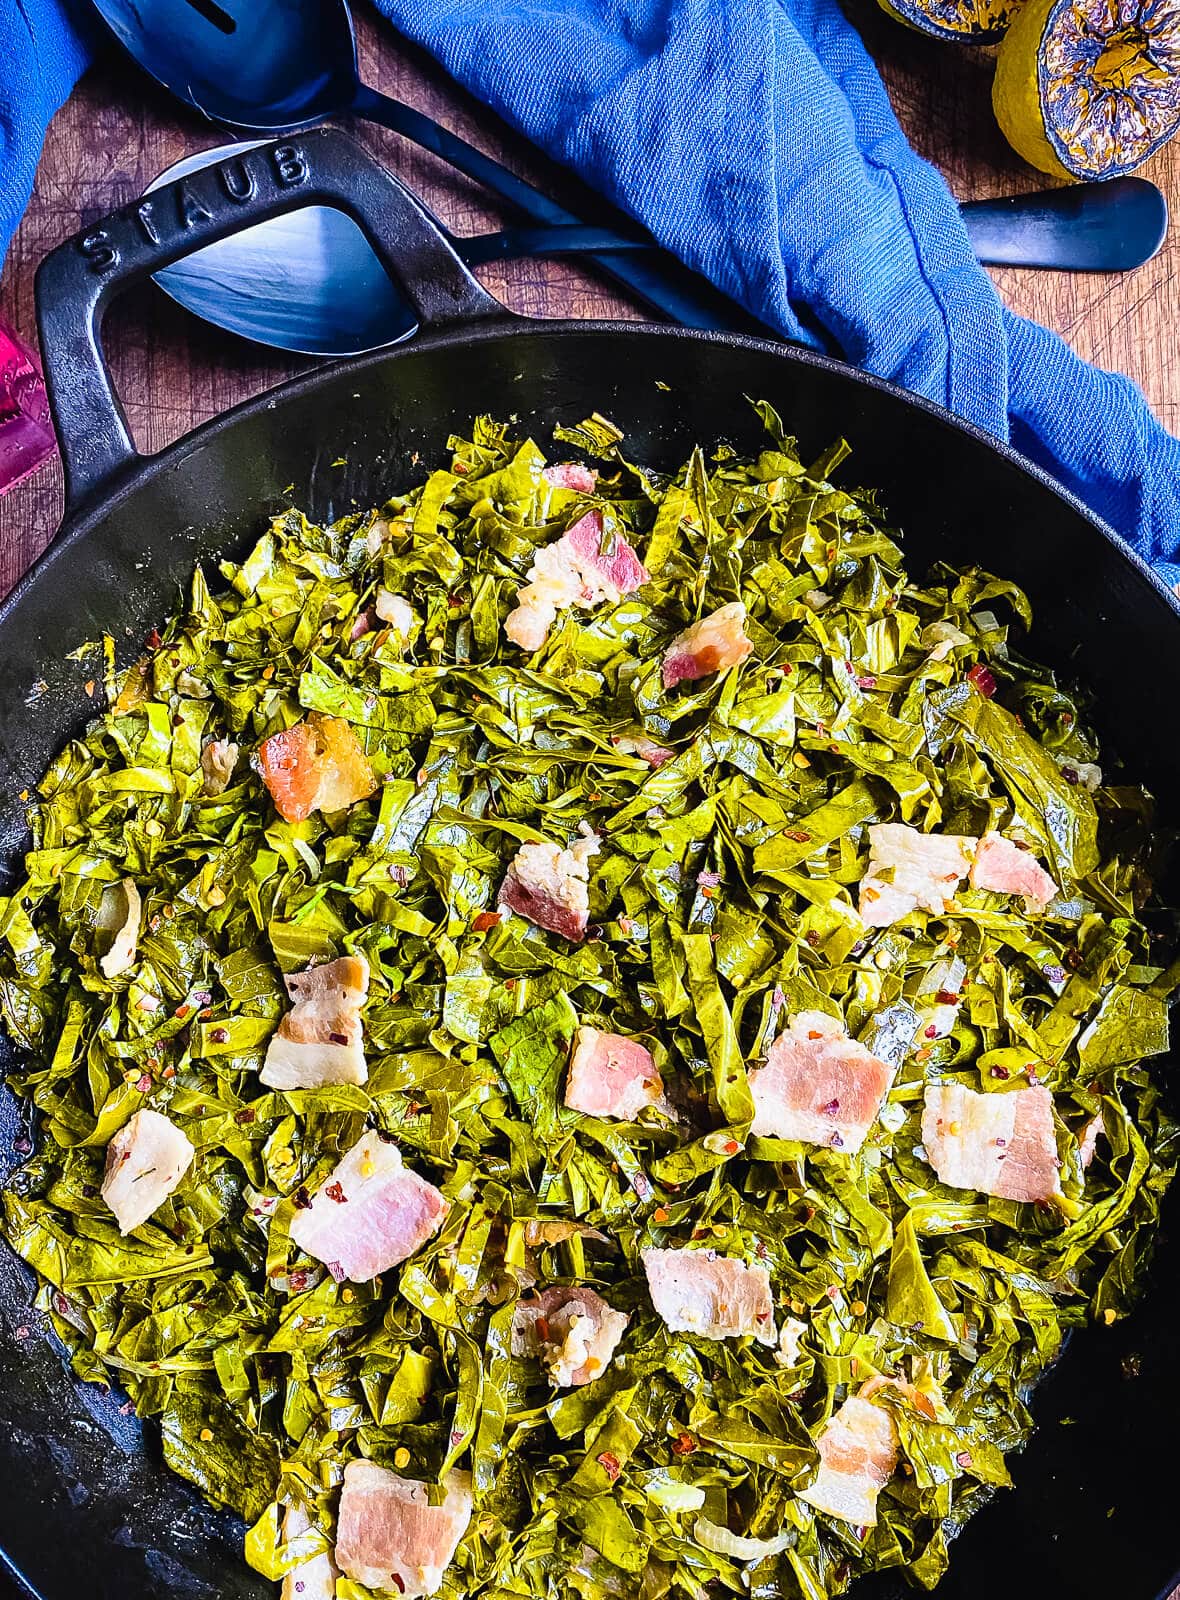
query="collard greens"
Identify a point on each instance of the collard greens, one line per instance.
(722, 902)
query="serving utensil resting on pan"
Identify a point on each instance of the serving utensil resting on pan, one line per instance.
(88, 1507)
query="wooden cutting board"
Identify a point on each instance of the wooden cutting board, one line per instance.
(117, 132)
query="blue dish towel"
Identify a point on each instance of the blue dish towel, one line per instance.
(755, 139)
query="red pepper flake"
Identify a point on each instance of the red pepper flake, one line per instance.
(1000, 1072)
(335, 1192)
(798, 835)
(814, 1033)
(812, 938)
(732, 1147)
(245, 1115)
(486, 920)
(932, 1031)
(169, 1072)
(460, 468)
(143, 1083)
(610, 1465)
(219, 1035)
(867, 681)
(302, 1200)
(830, 1109)
(683, 1445)
(1067, 717)
(510, 984)
(980, 677)
(947, 997)
(964, 1458)
(153, 640)
(181, 1012)
(456, 1436)
(395, 1577)
(787, 669)
(660, 1214)
(836, 1142)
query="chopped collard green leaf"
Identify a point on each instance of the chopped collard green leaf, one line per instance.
(731, 815)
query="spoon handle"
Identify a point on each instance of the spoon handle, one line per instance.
(662, 283)
(1084, 227)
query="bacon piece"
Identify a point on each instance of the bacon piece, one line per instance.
(857, 1456)
(572, 1330)
(315, 1578)
(638, 744)
(1088, 1140)
(714, 644)
(146, 1159)
(320, 1039)
(390, 1538)
(317, 765)
(371, 1214)
(818, 1085)
(582, 568)
(218, 760)
(548, 886)
(571, 475)
(908, 870)
(611, 1076)
(120, 909)
(1002, 866)
(1001, 1144)
(396, 611)
(697, 1291)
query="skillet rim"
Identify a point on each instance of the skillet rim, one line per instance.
(78, 521)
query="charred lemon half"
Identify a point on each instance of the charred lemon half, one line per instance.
(968, 21)
(1089, 88)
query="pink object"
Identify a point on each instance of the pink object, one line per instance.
(617, 567)
(1004, 867)
(570, 475)
(611, 1076)
(26, 433)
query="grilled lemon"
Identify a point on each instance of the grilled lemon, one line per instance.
(968, 21)
(1090, 88)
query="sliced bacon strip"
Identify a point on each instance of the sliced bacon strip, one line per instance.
(320, 1040)
(611, 1075)
(638, 744)
(572, 1330)
(582, 568)
(571, 475)
(1003, 867)
(389, 1536)
(549, 886)
(857, 1456)
(317, 765)
(908, 870)
(371, 1214)
(146, 1160)
(714, 644)
(715, 1297)
(818, 1085)
(1000, 1144)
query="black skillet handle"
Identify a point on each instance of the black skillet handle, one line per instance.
(76, 282)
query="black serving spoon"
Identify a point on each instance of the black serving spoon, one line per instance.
(310, 282)
(276, 66)
(279, 66)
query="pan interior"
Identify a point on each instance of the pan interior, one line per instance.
(89, 1507)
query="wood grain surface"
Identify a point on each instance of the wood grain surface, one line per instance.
(118, 131)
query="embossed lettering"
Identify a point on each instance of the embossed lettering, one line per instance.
(147, 226)
(237, 180)
(290, 165)
(99, 251)
(190, 208)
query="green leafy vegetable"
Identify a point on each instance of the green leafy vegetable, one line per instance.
(732, 816)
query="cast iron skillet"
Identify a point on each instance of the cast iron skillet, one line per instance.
(86, 1507)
